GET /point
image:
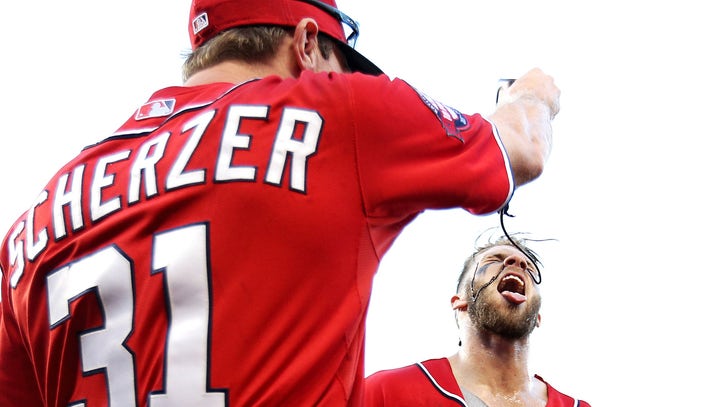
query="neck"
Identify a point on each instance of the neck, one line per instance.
(495, 369)
(238, 72)
(493, 361)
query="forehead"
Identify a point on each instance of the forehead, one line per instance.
(499, 249)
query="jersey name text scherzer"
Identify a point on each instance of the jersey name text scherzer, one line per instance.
(295, 142)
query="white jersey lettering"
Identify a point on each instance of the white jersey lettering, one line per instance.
(36, 247)
(71, 198)
(144, 166)
(182, 253)
(287, 146)
(294, 143)
(232, 140)
(102, 179)
(177, 177)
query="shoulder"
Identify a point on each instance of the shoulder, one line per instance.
(559, 399)
(399, 374)
(390, 386)
(424, 371)
(427, 383)
(362, 86)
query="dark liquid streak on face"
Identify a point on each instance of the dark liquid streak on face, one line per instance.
(483, 269)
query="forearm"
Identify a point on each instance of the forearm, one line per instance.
(523, 118)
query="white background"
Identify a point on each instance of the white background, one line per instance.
(622, 283)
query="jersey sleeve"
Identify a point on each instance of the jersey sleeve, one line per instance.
(416, 153)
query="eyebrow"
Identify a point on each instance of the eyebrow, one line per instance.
(502, 255)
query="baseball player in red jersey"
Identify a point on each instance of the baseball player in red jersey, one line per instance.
(497, 307)
(218, 249)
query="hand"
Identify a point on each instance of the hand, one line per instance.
(534, 84)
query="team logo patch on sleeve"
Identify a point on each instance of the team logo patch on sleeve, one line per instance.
(155, 108)
(450, 118)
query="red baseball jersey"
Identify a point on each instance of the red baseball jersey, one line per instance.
(219, 248)
(431, 383)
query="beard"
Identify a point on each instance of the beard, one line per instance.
(509, 323)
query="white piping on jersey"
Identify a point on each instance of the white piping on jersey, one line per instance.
(452, 395)
(141, 130)
(437, 386)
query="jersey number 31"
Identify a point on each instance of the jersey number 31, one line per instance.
(181, 254)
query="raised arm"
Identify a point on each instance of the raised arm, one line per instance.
(523, 117)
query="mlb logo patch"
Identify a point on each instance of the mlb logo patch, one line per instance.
(200, 23)
(155, 108)
(450, 118)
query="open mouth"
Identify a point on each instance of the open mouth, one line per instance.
(513, 288)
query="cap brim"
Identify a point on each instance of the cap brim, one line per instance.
(358, 63)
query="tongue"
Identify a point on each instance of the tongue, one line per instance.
(515, 298)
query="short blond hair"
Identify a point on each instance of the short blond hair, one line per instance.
(252, 44)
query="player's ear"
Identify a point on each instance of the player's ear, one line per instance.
(537, 321)
(305, 43)
(458, 304)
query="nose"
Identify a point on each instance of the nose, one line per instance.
(516, 260)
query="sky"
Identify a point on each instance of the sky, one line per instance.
(621, 293)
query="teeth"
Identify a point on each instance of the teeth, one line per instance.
(512, 277)
(512, 283)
